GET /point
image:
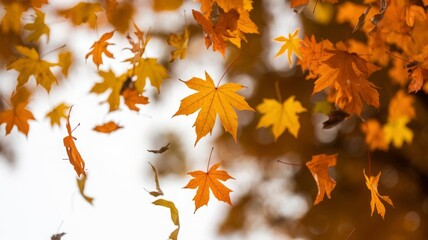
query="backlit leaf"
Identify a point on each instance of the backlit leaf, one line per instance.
(372, 184)
(319, 168)
(99, 47)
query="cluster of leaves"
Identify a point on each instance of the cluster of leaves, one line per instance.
(340, 70)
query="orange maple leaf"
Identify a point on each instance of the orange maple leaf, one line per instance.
(213, 100)
(311, 54)
(319, 168)
(17, 116)
(372, 183)
(347, 74)
(108, 127)
(83, 12)
(204, 181)
(375, 137)
(132, 97)
(217, 34)
(99, 47)
(73, 154)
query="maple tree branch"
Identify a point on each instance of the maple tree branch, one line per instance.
(209, 159)
(228, 68)
(292, 164)
(278, 92)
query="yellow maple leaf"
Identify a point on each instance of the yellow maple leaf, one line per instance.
(280, 116)
(151, 69)
(110, 81)
(372, 184)
(318, 166)
(291, 44)
(397, 132)
(83, 12)
(38, 27)
(58, 113)
(64, 61)
(11, 21)
(174, 215)
(99, 47)
(213, 100)
(31, 65)
(179, 42)
(204, 181)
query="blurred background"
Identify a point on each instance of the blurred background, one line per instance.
(39, 195)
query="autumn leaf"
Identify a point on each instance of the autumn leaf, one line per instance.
(179, 42)
(217, 34)
(213, 100)
(83, 12)
(414, 12)
(151, 69)
(291, 44)
(397, 132)
(160, 150)
(372, 183)
(137, 47)
(362, 19)
(132, 97)
(312, 53)
(107, 127)
(73, 154)
(347, 74)
(64, 61)
(112, 82)
(334, 118)
(18, 115)
(158, 191)
(31, 65)
(99, 47)
(401, 105)
(174, 215)
(38, 28)
(119, 15)
(58, 113)
(166, 5)
(81, 183)
(280, 116)
(319, 168)
(375, 137)
(299, 3)
(11, 21)
(204, 181)
(57, 236)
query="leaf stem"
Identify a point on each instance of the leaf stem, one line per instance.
(370, 161)
(228, 68)
(393, 55)
(278, 92)
(53, 50)
(209, 159)
(292, 164)
(350, 234)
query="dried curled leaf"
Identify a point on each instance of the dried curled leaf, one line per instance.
(161, 150)
(204, 181)
(174, 215)
(158, 191)
(73, 154)
(81, 183)
(319, 168)
(372, 183)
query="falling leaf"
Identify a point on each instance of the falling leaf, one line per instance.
(418, 72)
(347, 73)
(17, 116)
(291, 44)
(179, 42)
(132, 97)
(383, 4)
(372, 184)
(397, 132)
(334, 117)
(166, 5)
(38, 28)
(217, 34)
(31, 65)
(375, 137)
(108, 127)
(11, 21)
(362, 19)
(81, 183)
(120, 15)
(151, 69)
(213, 100)
(401, 105)
(137, 47)
(312, 53)
(158, 191)
(99, 47)
(73, 154)
(319, 168)
(83, 12)
(57, 236)
(280, 116)
(204, 181)
(58, 113)
(161, 150)
(174, 215)
(110, 81)
(64, 61)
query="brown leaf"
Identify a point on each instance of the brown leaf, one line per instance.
(161, 150)
(158, 191)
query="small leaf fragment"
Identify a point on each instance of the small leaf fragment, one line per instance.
(57, 236)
